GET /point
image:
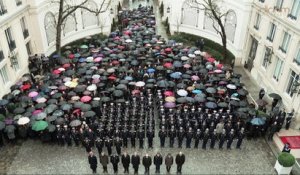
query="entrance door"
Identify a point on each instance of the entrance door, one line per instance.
(252, 53)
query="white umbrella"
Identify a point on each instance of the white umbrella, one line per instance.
(89, 59)
(23, 120)
(96, 98)
(140, 84)
(231, 86)
(41, 100)
(67, 79)
(203, 53)
(110, 70)
(197, 52)
(96, 76)
(184, 58)
(91, 87)
(75, 98)
(61, 69)
(182, 92)
(192, 55)
(128, 41)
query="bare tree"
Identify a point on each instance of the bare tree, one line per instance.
(213, 10)
(68, 8)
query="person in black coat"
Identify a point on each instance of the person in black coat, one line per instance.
(213, 138)
(180, 136)
(240, 137)
(180, 159)
(141, 136)
(172, 135)
(118, 144)
(289, 119)
(150, 136)
(114, 159)
(189, 137)
(135, 161)
(262, 93)
(126, 162)
(99, 144)
(162, 135)
(93, 162)
(108, 144)
(222, 139)
(147, 161)
(132, 135)
(205, 138)
(169, 162)
(157, 162)
(197, 138)
(230, 139)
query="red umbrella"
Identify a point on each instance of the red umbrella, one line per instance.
(121, 47)
(71, 56)
(85, 99)
(115, 62)
(66, 65)
(135, 92)
(168, 50)
(168, 93)
(26, 87)
(36, 112)
(112, 77)
(211, 59)
(56, 72)
(77, 111)
(220, 66)
(168, 65)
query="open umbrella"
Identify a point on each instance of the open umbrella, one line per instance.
(91, 87)
(39, 126)
(40, 116)
(140, 84)
(223, 104)
(211, 90)
(75, 123)
(23, 120)
(85, 99)
(181, 100)
(3, 102)
(118, 93)
(33, 94)
(182, 92)
(211, 105)
(242, 92)
(275, 96)
(89, 114)
(85, 107)
(2, 125)
(60, 121)
(169, 105)
(19, 110)
(231, 86)
(258, 121)
(170, 99)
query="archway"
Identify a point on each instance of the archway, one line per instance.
(50, 27)
(88, 18)
(230, 25)
(190, 13)
(70, 24)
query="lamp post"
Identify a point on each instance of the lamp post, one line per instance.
(111, 11)
(168, 10)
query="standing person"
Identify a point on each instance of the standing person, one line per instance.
(286, 148)
(108, 144)
(172, 135)
(126, 162)
(99, 145)
(205, 138)
(222, 139)
(189, 137)
(213, 138)
(197, 138)
(141, 136)
(157, 162)
(132, 135)
(180, 136)
(104, 161)
(118, 144)
(93, 162)
(150, 136)
(240, 137)
(162, 135)
(201, 45)
(230, 139)
(180, 159)
(262, 93)
(274, 103)
(273, 129)
(147, 161)
(135, 161)
(114, 159)
(289, 119)
(169, 162)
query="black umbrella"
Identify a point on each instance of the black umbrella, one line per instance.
(80, 88)
(51, 128)
(66, 107)
(95, 103)
(57, 95)
(51, 118)
(242, 92)
(181, 100)
(199, 99)
(162, 83)
(122, 86)
(105, 99)
(60, 121)
(78, 104)
(118, 93)
(58, 113)
(223, 104)
(2, 125)
(3, 102)
(234, 103)
(134, 62)
(19, 111)
(211, 90)
(75, 123)
(52, 101)
(40, 105)
(190, 100)
(85, 107)
(243, 103)
(181, 86)
(49, 109)
(275, 96)
(211, 105)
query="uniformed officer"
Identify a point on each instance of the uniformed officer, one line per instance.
(230, 139)
(189, 137)
(150, 136)
(162, 135)
(180, 136)
(125, 135)
(126, 162)
(135, 161)
(60, 136)
(75, 136)
(141, 136)
(114, 159)
(132, 137)
(197, 137)
(213, 138)
(87, 145)
(240, 137)
(118, 144)
(205, 138)
(222, 139)
(108, 144)
(99, 144)
(172, 135)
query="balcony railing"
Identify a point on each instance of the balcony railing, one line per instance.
(25, 33)
(3, 11)
(12, 45)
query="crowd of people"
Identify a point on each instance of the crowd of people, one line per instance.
(112, 92)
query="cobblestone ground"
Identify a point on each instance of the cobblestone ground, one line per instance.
(255, 157)
(7, 155)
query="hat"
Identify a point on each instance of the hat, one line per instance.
(57, 126)
(65, 126)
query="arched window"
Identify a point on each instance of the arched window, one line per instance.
(70, 24)
(50, 27)
(88, 18)
(230, 25)
(190, 13)
(209, 23)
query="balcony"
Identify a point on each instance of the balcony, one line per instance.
(297, 61)
(3, 11)
(25, 33)
(292, 17)
(1, 56)
(12, 45)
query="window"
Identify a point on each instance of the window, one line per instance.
(297, 59)
(267, 57)
(278, 68)
(272, 32)
(24, 27)
(15, 62)
(28, 48)
(3, 9)
(257, 22)
(295, 10)
(3, 74)
(278, 5)
(262, 1)
(253, 48)
(293, 82)
(10, 40)
(18, 2)
(285, 42)
(1, 55)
